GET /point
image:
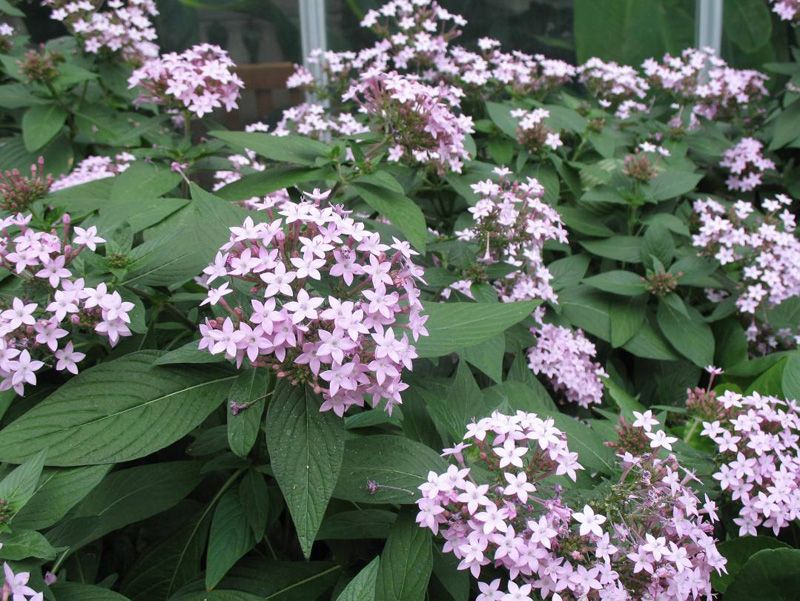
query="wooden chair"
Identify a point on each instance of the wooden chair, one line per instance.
(265, 94)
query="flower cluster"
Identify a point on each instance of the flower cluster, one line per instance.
(512, 224)
(18, 192)
(198, 80)
(328, 304)
(533, 133)
(421, 118)
(762, 248)
(500, 507)
(747, 165)
(617, 86)
(94, 168)
(700, 77)
(31, 325)
(565, 357)
(787, 10)
(125, 28)
(757, 441)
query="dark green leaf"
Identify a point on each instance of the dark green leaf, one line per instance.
(396, 465)
(230, 538)
(452, 326)
(362, 587)
(249, 389)
(737, 551)
(688, 333)
(41, 123)
(627, 249)
(116, 411)
(397, 208)
(21, 544)
(406, 562)
(769, 575)
(254, 497)
(283, 149)
(623, 283)
(307, 448)
(747, 23)
(73, 591)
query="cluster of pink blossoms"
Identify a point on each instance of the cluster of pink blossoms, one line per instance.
(349, 340)
(421, 118)
(565, 357)
(747, 165)
(787, 10)
(762, 248)
(757, 441)
(700, 77)
(92, 169)
(615, 86)
(198, 80)
(512, 224)
(649, 538)
(32, 325)
(533, 133)
(125, 28)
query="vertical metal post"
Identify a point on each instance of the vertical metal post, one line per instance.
(709, 24)
(313, 32)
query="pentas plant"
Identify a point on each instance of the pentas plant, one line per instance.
(92, 169)
(52, 302)
(501, 510)
(124, 29)
(565, 358)
(322, 301)
(698, 77)
(196, 81)
(533, 134)
(760, 250)
(747, 165)
(512, 225)
(18, 192)
(756, 437)
(619, 87)
(15, 585)
(419, 118)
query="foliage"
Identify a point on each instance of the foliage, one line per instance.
(290, 362)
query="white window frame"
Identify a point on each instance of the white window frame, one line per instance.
(709, 24)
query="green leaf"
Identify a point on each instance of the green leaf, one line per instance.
(769, 575)
(362, 587)
(169, 565)
(74, 591)
(254, 497)
(395, 464)
(737, 551)
(626, 403)
(623, 283)
(568, 271)
(126, 497)
(306, 447)
(627, 249)
(462, 403)
(116, 411)
(250, 388)
(787, 124)
(283, 149)
(445, 570)
(19, 486)
(648, 343)
(593, 454)
(17, 96)
(513, 396)
(363, 523)
(452, 326)
(487, 357)
(188, 353)
(500, 114)
(397, 208)
(9, 9)
(626, 318)
(747, 23)
(791, 377)
(672, 184)
(406, 562)
(688, 333)
(41, 123)
(588, 309)
(271, 180)
(230, 539)
(584, 222)
(58, 491)
(143, 180)
(21, 544)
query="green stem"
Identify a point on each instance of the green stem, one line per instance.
(688, 436)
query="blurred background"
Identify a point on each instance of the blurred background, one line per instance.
(266, 37)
